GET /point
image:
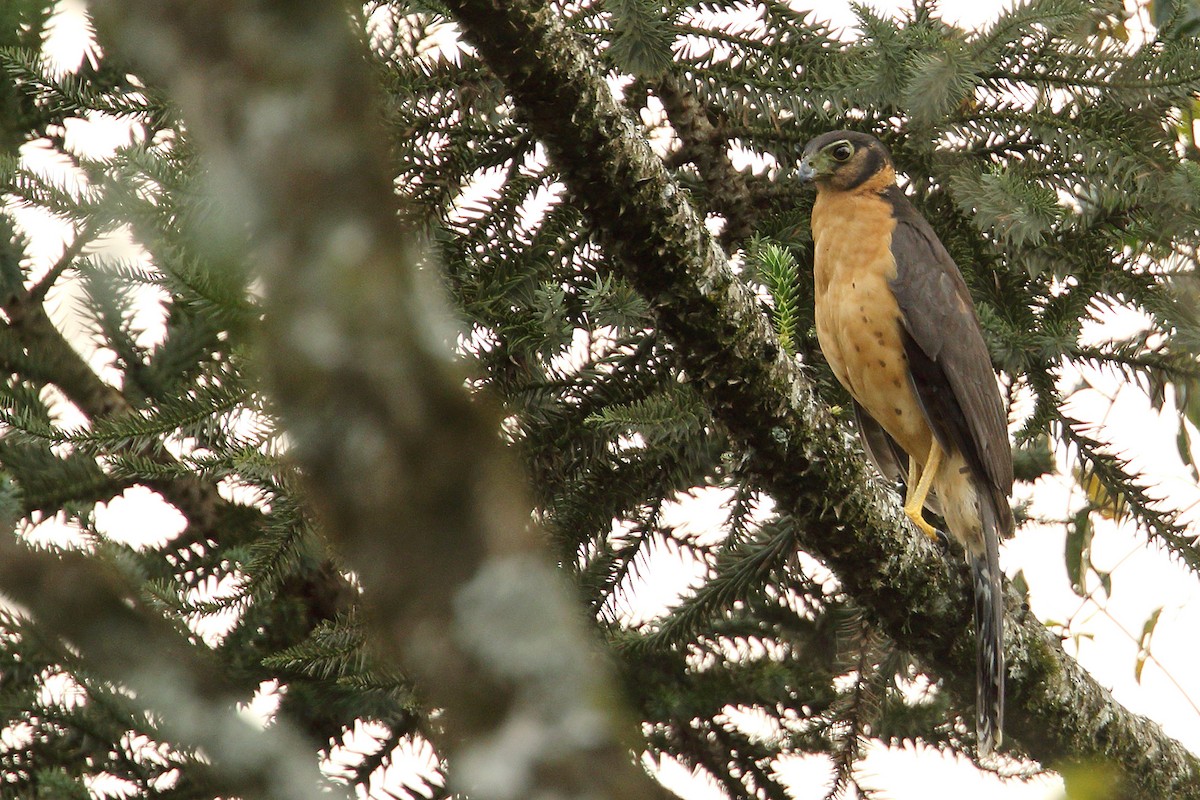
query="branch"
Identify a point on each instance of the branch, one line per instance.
(708, 148)
(38, 292)
(122, 640)
(323, 591)
(413, 479)
(60, 364)
(795, 450)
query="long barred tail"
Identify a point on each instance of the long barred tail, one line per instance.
(989, 636)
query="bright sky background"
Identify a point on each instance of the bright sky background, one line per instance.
(1143, 579)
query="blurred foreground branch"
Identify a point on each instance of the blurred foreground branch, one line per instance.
(87, 601)
(410, 476)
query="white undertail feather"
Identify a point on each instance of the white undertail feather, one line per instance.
(971, 517)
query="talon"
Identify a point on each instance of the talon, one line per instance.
(923, 526)
(919, 482)
(943, 540)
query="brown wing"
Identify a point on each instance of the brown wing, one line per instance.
(887, 456)
(949, 363)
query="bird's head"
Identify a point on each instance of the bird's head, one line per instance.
(846, 160)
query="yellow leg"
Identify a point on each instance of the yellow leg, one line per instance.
(919, 482)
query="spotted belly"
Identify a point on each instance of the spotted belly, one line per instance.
(859, 330)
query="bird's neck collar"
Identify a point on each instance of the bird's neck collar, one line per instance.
(878, 183)
(883, 179)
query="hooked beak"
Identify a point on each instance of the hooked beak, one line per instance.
(805, 172)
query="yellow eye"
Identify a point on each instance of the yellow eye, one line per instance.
(841, 151)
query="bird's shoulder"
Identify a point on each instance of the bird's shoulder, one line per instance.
(947, 353)
(915, 236)
(926, 275)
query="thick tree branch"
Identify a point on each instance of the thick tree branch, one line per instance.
(706, 147)
(1056, 711)
(415, 483)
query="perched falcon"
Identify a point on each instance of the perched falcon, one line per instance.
(896, 323)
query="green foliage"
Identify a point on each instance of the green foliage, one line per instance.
(77, 728)
(1046, 150)
(1175, 17)
(781, 275)
(22, 25)
(156, 390)
(1042, 148)
(1009, 206)
(641, 37)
